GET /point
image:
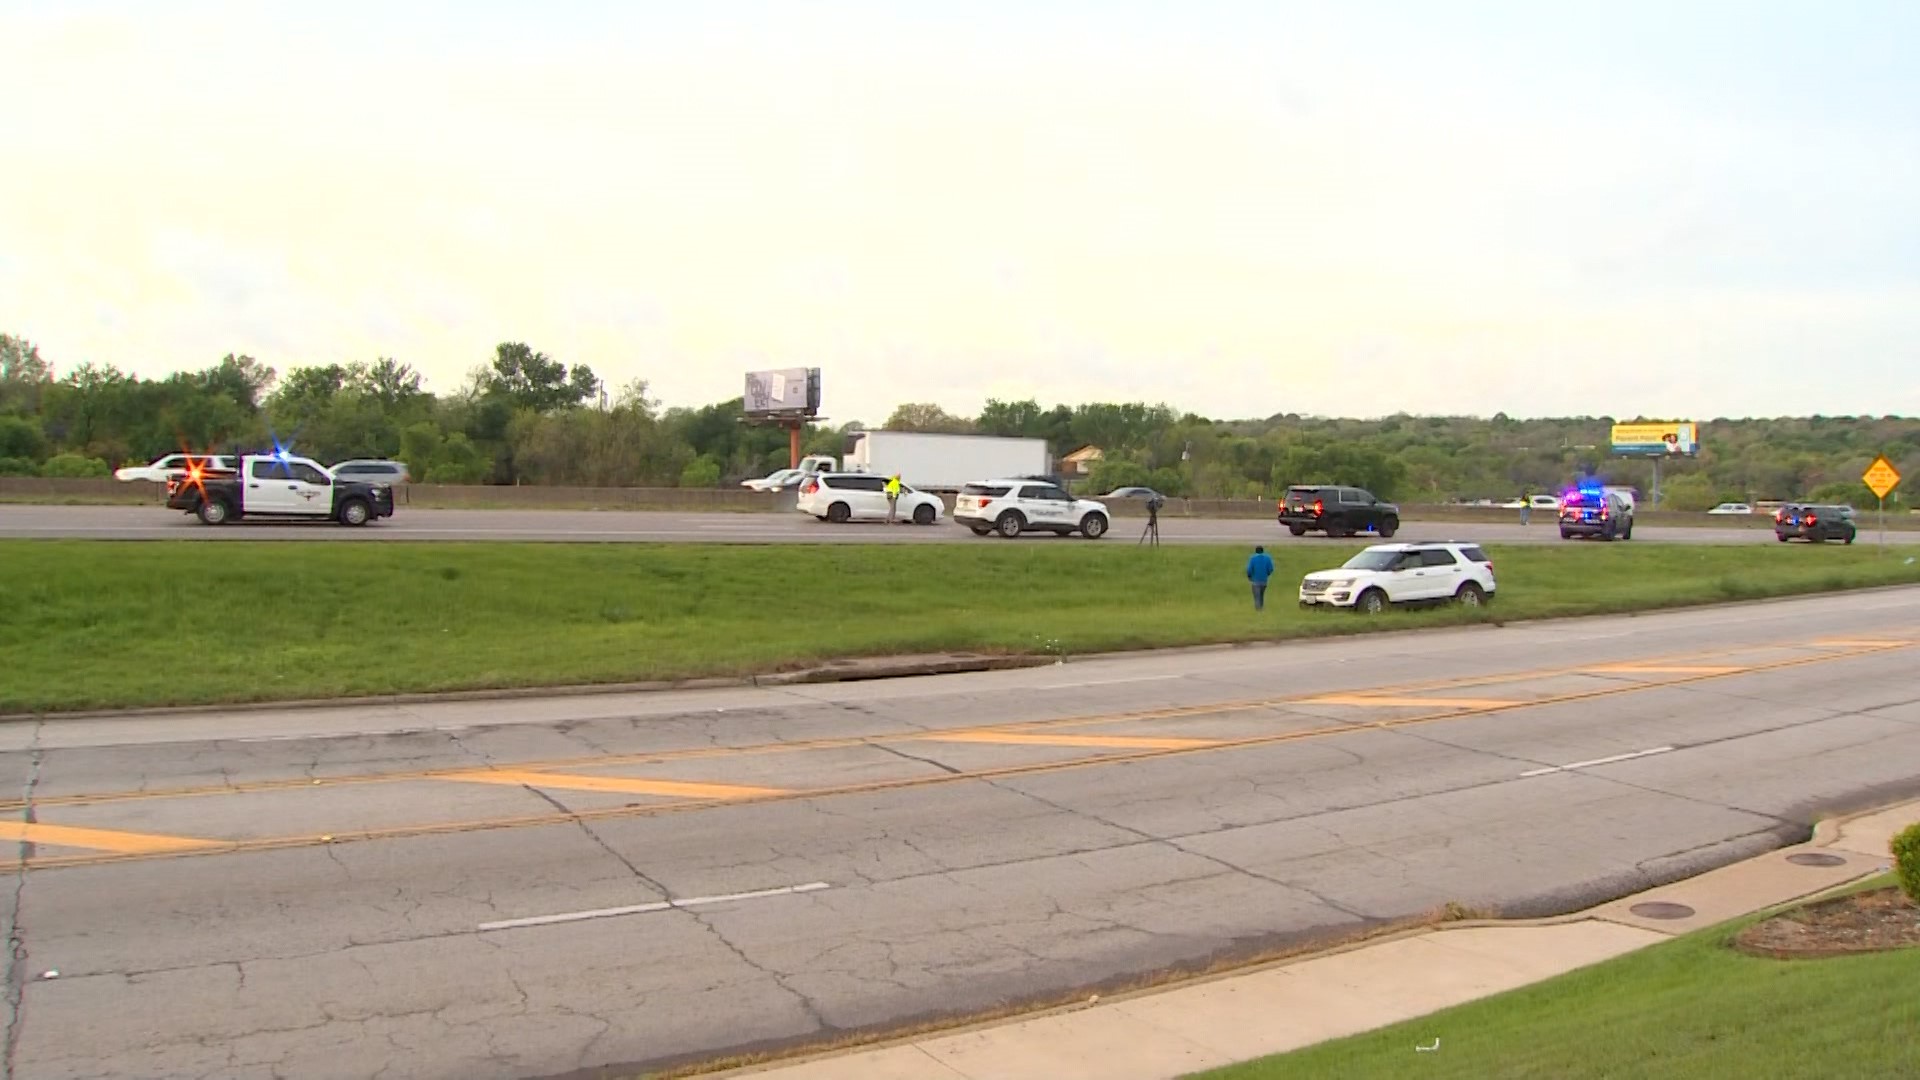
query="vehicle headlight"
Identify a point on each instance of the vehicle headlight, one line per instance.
(1340, 583)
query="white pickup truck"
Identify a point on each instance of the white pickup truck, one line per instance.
(278, 485)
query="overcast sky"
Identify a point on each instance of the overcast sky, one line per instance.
(1684, 210)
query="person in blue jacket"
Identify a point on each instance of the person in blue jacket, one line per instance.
(1259, 569)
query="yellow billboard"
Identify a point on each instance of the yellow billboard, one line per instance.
(1665, 439)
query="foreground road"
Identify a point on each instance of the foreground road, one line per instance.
(590, 526)
(536, 887)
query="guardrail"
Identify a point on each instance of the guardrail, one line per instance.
(22, 489)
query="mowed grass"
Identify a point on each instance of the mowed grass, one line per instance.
(86, 624)
(1692, 1008)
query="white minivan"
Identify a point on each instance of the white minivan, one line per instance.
(844, 497)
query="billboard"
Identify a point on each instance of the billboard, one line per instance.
(786, 392)
(1677, 439)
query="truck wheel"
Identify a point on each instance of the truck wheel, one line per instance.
(355, 512)
(1388, 528)
(1297, 530)
(923, 514)
(214, 512)
(839, 513)
(1093, 526)
(1010, 524)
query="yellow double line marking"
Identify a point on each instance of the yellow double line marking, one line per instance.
(123, 843)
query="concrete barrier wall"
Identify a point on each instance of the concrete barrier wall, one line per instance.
(740, 500)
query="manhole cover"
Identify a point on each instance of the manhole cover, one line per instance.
(1660, 909)
(1810, 858)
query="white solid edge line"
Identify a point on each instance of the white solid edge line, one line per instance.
(1599, 761)
(658, 905)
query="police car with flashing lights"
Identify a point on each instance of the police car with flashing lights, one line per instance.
(1429, 572)
(1595, 513)
(278, 485)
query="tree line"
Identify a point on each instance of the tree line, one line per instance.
(525, 417)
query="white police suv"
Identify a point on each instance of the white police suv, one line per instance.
(1433, 572)
(1012, 507)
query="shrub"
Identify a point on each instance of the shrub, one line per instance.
(1906, 861)
(74, 466)
(701, 472)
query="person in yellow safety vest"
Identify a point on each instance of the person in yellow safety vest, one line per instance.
(893, 496)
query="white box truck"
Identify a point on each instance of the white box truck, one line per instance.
(945, 463)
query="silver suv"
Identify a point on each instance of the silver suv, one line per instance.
(1011, 507)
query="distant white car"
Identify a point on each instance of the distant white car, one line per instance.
(1388, 574)
(173, 465)
(778, 480)
(844, 497)
(1731, 508)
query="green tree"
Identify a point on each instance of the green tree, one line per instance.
(459, 461)
(533, 380)
(1112, 473)
(701, 472)
(24, 376)
(21, 438)
(929, 418)
(1689, 492)
(1011, 419)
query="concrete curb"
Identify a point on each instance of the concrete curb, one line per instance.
(852, 669)
(1825, 833)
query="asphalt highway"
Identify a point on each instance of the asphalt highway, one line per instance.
(537, 887)
(594, 526)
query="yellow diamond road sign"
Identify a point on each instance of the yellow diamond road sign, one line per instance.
(1881, 477)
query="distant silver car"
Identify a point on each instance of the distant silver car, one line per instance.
(373, 471)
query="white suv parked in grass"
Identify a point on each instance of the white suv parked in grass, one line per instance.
(844, 497)
(1011, 507)
(1435, 572)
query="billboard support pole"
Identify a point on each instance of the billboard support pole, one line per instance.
(1656, 483)
(793, 446)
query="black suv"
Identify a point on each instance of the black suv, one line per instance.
(1601, 514)
(1336, 511)
(1814, 524)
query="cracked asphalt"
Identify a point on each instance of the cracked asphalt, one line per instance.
(985, 839)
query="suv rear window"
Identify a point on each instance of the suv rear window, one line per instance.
(1474, 554)
(989, 490)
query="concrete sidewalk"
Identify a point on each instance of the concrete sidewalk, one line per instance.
(1157, 1035)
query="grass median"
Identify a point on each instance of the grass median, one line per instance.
(91, 624)
(1692, 1008)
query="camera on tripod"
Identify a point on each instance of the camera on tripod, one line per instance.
(1151, 534)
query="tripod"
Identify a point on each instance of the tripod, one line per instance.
(1151, 534)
